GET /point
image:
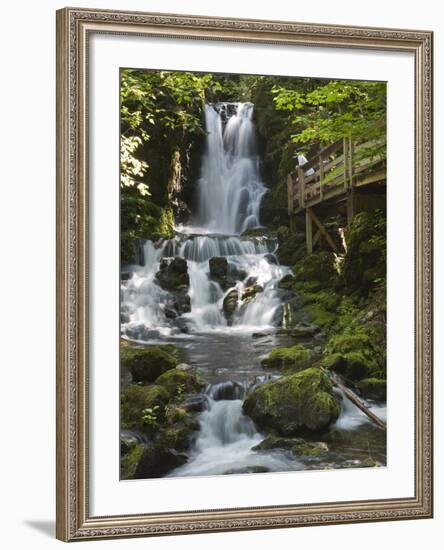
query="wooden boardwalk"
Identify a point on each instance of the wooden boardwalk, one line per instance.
(339, 173)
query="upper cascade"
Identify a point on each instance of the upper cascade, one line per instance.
(230, 189)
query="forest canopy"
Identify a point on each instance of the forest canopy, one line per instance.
(163, 134)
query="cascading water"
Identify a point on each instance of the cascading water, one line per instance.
(230, 188)
(229, 196)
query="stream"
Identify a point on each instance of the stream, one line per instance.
(227, 349)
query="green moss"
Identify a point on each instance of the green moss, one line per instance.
(373, 388)
(147, 364)
(286, 357)
(138, 398)
(320, 316)
(129, 460)
(294, 404)
(296, 445)
(178, 382)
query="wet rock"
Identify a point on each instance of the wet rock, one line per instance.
(157, 461)
(249, 293)
(271, 258)
(173, 274)
(251, 281)
(229, 390)
(218, 267)
(196, 403)
(304, 330)
(260, 334)
(125, 276)
(170, 313)
(286, 282)
(230, 304)
(147, 364)
(293, 405)
(298, 446)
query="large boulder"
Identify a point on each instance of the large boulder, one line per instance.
(292, 405)
(146, 364)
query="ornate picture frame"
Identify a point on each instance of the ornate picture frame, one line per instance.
(74, 518)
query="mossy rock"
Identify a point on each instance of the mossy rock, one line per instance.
(280, 358)
(353, 365)
(179, 382)
(364, 265)
(351, 353)
(373, 388)
(297, 445)
(130, 455)
(138, 398)
(178, 430)
(146, 364)
(173, 274)
(300, 403)
(321, 316)
(316, 267)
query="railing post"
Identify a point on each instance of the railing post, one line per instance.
(345, 147)
(290, 193)
(350, 161)
(308, 231)
(321, 175)
(301, 183)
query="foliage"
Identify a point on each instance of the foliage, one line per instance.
(333, 109)
(149, 415)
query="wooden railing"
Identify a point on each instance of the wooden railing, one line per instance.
(334, 170)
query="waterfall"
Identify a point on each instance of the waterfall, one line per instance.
(225, 441)
(230, 188)
(230, 191)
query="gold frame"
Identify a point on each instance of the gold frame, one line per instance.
(73, 519)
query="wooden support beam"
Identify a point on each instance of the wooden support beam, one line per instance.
(351, 205)
(316, 238)
(322, 229)
(308, 231)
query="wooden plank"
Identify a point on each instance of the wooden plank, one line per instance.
(380, 175)
(308, 231)
(316, 238)
(322, 229)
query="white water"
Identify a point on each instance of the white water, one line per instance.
(229, 196)
(230, 188)
(225, 442)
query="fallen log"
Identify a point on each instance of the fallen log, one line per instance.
(356, 401)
